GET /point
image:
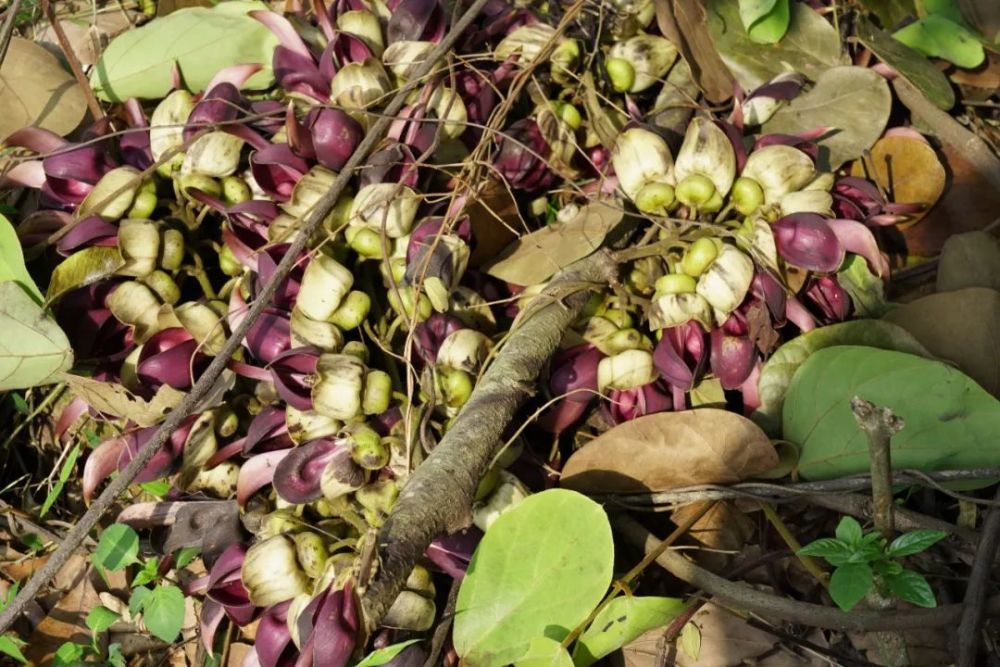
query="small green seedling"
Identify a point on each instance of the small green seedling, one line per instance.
(862, 561)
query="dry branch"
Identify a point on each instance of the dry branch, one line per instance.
(438, 496)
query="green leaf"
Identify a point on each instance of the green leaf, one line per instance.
(810, 45)
(158, 487)
(777, 373)
(137, 599)
(384, 655)
(20, 405)
(11, 646)
(765, 20)
(911, 587)
(938, 37)
(915, 541)
(115, 656)
(201, 41)
(849, 531)
(12, 260)
(84, 267)
(100, 619)
(186, 555)
(148, 573)
(885, 568)
(911, 64)
(624, 619)
(889, 12)
(950, 421)
(867, 291)
(690, 640)
(853, 101)
(64, 472)
(544, 652)
(835, 551)
(117, 548)
(849, 584)
(540, 570)
(163, 612)
(33, 348)
(68, 654)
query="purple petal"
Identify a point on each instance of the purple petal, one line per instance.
(235, 75)
(832, 300)
(574, 373)
(36, 139)
(420, 20)
(347, 48)
(808, 241)
(732, 358)
(629, 404)
(102, 462)
(857, 238)
(220, 105)
(680, 354)
(429, 335)
(335, 630)
(267, 431)
(297, 477)
(284, 31)
(452, 553)
(766, 288)
(91, 231)
(291, 373)
(335, 136)
(134, 144)
(394, 164)
(170, 357)
(30, 174)
(270, 335)
(277, 169)
(256, 473)
(273, 640)
(211, 617)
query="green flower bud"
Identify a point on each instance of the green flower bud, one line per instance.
(325, 282)
(171, 249)
(806, 201)
(747, 195)
(456, 387)
(271, 572)
(204, 325)
(226, 421)
(726, 282)
(218, 482)
(626, 370)
(164, 286)
(708, 153)
(388, 207)
(568, 114)
(367, 448)
(655, 198)
(364, 25)
(621, 74)
(144, 205)
(139, 244)
(410, 611)
(313, 185)
(378, 392)
(527, 40)
(626, 339)
(228, 262)
(698, 257)
(195, 181)
(136, 305)
(359, 85)
(352, 311)
(644, 274)
(199, 447)
(487, 484)
(649, 56)
(235, 190)
(341, 476)
(378, 497)
(310, 549)
(779, 169)
(564, 59)
(695, 191)
(640, 157)
(408, 304)
(405, 57)
(619, 317)
(213, 154)
(472, 309)
(356, 349)
(364, 241)
(673, 309)
(675, 283)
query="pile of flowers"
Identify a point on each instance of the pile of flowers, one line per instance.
(164, 224)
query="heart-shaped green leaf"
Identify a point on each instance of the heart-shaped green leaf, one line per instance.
(938, 37)
(765, 20)
(624, 619)
(950, 421)
(539, 571)
(33, 349)
(909, 62)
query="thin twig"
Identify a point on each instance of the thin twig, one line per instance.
(975, 594)
(7, 31)
(74, 63)
(201, 388)
(775, 607)
(879, 425)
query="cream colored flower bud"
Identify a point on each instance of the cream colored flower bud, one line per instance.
(387, 206)
(650, 56)
(508, 493)
(215, 154)
(134, 304)
(365, 25)
(706, 151)
(139, 244)
(171, 249)
(341, 475)
(199, 447)
(823, 180)
(527, 41)
(469, 306)
(271, 572)
(338, 389)
(757, 238)
(112, 197)
(165, 287)
(806, 201)
(313, 185)
(599, 331)
(640, 157)
(204, 325)
(450, 108)
(410, 611)
(166, 124)
(306, 425)
(626, 370)
(325, 283)
(725, 283)
(671, 310)
(779, 170)
(295, 609)
(404, 58)
(360, 85)
(322, 334)
(218, 482)
(465, 349)
(352, 311)
(378, 497)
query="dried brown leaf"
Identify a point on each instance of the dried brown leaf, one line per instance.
(114, 399)
(684, 23)
(971, 259)
(906, 168)
(88, 38)
(36, 90)
(669, 450)
(960, 327)
(722, 527)
(495, 220)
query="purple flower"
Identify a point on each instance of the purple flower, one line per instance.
(297, 476)
(170, 357)
(680, 354)
(521, 157)
(416, 20)
(629, 404)
(573, 382)
(831, 299)
(733, 353)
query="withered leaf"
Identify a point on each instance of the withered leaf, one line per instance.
(36, 90)
(971, 259)
(908, 169)
(684, 23)
(113, 399)
(668, 450)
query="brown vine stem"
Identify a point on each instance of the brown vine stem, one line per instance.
(975, 593)
(74, 63)
(201, 388)
(742, 596)
(438, 496)
(7, 30)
